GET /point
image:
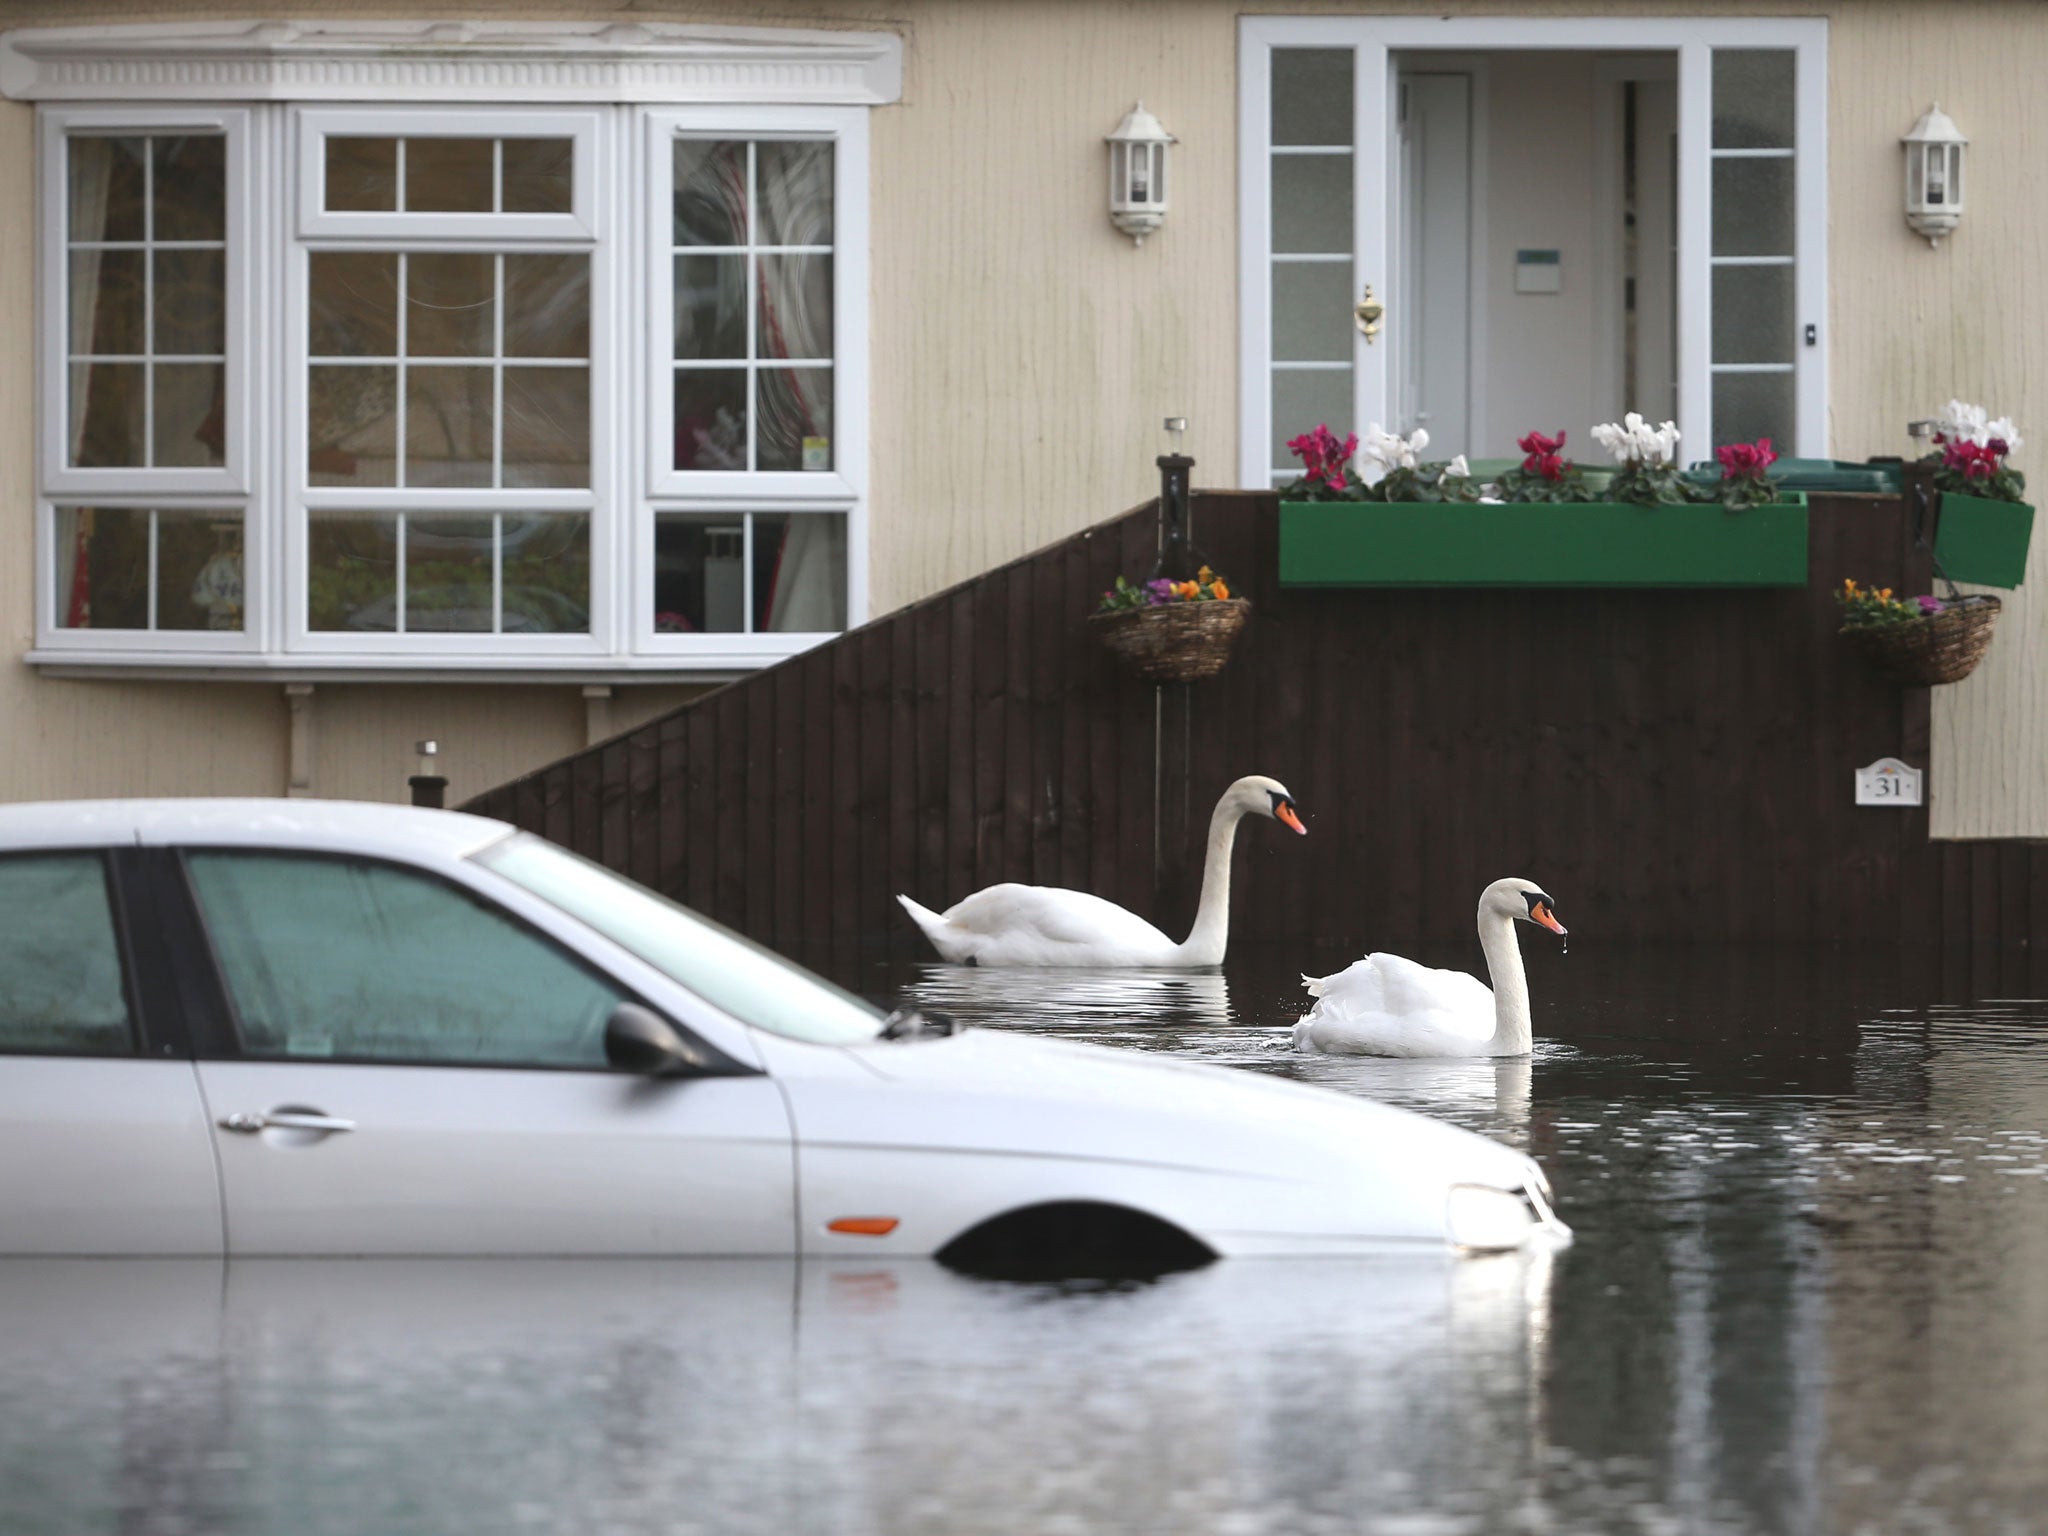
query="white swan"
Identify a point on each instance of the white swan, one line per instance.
(1386, 1006)
(1044, 925)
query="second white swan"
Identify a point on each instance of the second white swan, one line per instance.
(1046, 925)
(1387, 1006)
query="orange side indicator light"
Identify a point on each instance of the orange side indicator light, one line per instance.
(863, 1226)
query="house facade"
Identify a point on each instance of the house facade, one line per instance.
(505, 379)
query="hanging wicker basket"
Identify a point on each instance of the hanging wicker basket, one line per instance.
(1944, 647)
(1174, 642)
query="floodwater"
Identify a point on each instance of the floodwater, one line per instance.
(1809, 1293)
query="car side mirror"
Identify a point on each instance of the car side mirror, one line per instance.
(641, 1041)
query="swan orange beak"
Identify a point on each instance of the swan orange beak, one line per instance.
(1284, 812)
(1542, 914)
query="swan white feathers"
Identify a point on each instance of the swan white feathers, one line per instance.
(1384, 1005)
(1045, 925)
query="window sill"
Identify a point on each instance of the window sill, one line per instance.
(711, 664)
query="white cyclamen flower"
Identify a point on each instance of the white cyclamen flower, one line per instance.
(1383, 452)
(1962, 422)
(1457, 469)
(1634, 441)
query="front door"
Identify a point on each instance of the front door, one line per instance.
(1558, 220)
(421, 1073)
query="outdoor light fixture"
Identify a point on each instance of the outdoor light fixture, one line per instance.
(1934, 174)
(1137, 174)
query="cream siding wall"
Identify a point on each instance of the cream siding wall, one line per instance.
(1024, 352)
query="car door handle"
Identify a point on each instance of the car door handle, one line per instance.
(285, 1120)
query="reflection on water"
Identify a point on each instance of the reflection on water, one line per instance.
(1809, 1294)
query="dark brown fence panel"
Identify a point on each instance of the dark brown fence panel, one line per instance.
(1669, 763)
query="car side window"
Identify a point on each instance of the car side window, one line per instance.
(367, 961)
(61, 991)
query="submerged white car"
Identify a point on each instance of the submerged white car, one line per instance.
(288, 1027)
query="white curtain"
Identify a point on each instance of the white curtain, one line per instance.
(810, 576)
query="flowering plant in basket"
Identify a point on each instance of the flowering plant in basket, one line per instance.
(1873, 607)
(1160, 590)
(1973, 450)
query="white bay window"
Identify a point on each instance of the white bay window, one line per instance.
(458, 382)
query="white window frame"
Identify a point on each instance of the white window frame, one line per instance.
(842, 489)
(1691, 39)
(293, 81)
(595, 136)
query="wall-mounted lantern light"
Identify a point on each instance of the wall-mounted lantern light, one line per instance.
(1137, 174)
(1934, 175)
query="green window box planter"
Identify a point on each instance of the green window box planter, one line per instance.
(1596, 544)
(1983, 542)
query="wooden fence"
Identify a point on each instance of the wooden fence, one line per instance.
(1668, 763)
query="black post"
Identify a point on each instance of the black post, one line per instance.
(429, 790)
(1177, 559)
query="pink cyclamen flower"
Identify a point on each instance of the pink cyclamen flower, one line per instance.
(1746, 461)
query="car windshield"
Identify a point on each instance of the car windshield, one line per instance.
(754, 985)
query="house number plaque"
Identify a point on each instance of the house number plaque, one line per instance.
(1889, 782)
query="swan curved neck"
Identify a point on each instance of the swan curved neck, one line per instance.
(1211, 934)
(1512, 1034)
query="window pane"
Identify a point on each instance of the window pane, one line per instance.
(330, 957)
(191, 187)
(547, 427)
(710, 192)
(539, 175)
(362, 175)
(104, 564)
(1304, 400)
(352, 425)
(711, 418)
(189, 420)
(700, 573)
(1312, 311)
(1753, 320)
(105, 182)
(711, 307)
(1753, 98)
(107, 303)
(794, 192)
(451, 304)
(448, 573)
(353, 304)
(547, 574)
(449, 175)
(1753, 207)
(107, 404)
(795, 421)
(799, 572)
(1748, 406)
(1312, 204)
(449, 421)
(191, 303)
(60, 966)
(351, 572)
(199, 570)
(547, 306)
(796, 307)
(1312, 95)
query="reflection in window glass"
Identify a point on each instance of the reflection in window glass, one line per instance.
(60, 965)
(733, 974)
(416, 573)
(353, 959)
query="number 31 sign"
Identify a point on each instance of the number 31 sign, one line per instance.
(1888, 782)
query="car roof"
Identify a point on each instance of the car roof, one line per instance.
(360, 826)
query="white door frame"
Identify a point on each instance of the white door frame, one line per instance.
(1375, 38)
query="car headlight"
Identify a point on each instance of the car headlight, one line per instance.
(1476, 1216)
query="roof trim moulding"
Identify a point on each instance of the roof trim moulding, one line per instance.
(451, 60)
